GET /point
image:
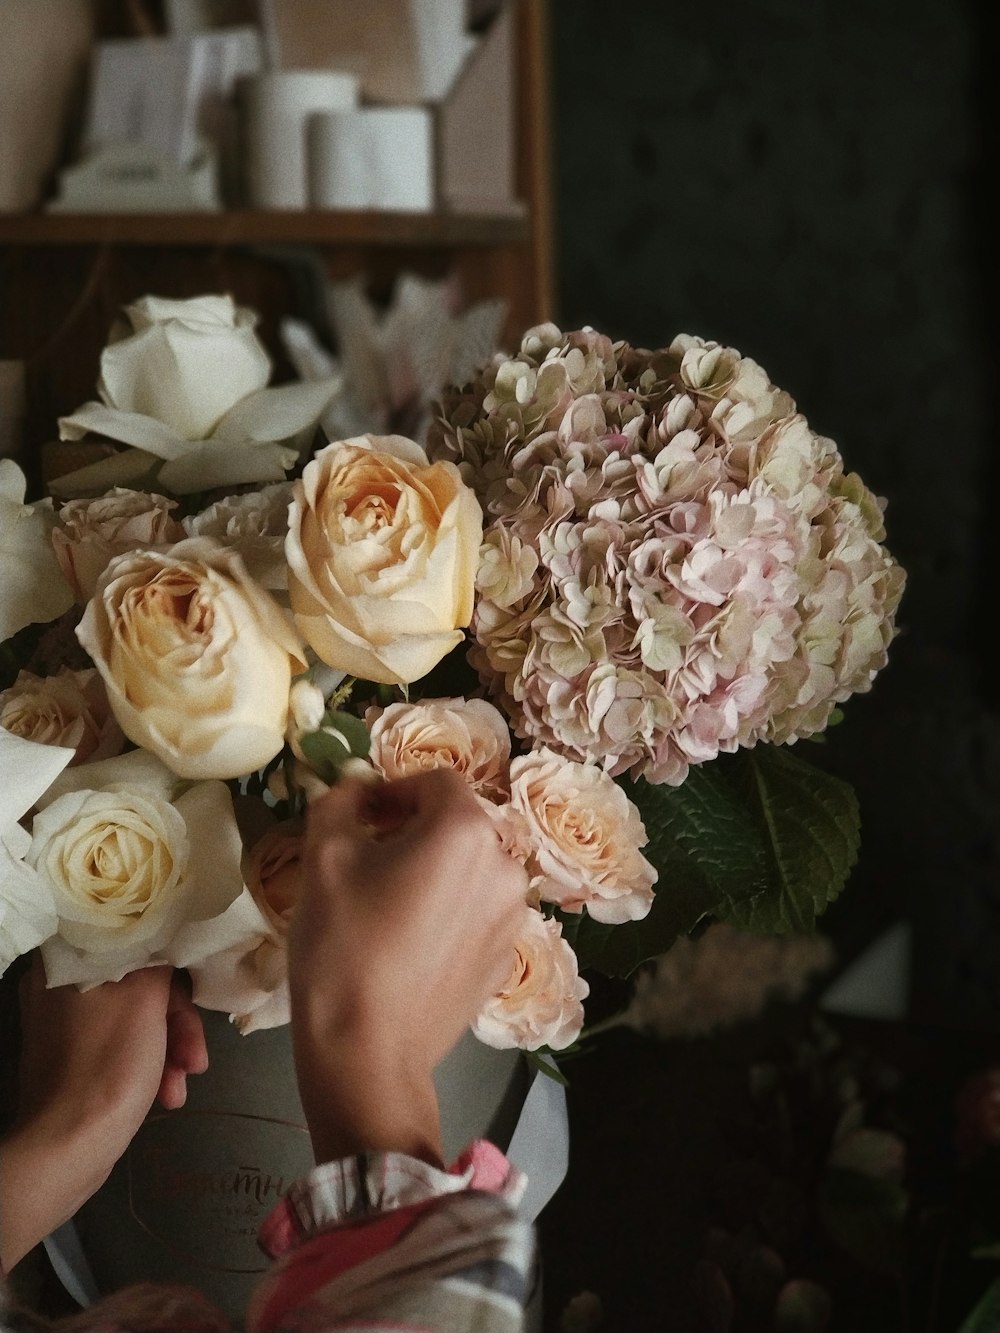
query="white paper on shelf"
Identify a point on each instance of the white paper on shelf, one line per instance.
(276, 107)
(403, 51)
(168, 92)
(375, 157)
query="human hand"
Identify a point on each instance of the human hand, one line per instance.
(92, 1064)
(405, 925)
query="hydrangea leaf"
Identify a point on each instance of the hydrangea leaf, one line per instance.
(811, 827)
(709, 857)
(760, 838)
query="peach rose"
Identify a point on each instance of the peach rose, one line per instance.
(585, 835)
(250, 983)
(382, 552)
(197, 659)
(541, 1002)
(90, 532)
(468, 735)
(69, 708)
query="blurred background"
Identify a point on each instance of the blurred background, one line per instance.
(808, 183)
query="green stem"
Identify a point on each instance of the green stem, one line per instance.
(605, 1025)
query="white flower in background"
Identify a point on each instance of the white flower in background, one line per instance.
(142, 869)
(585, 836)
(541, 1002)
(184, 384)
(724, 977)
(34, 589)
(254, 524)
(467, 735)
(27, 908)
(382, 550)
(197, 659)
(89, 533)
(70, 708)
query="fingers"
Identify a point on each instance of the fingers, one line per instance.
(187, 1052)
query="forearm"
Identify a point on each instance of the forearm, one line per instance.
(46, 1174)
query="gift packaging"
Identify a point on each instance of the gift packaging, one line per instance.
(185, 1202)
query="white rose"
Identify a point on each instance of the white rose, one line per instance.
(541, 1002)
(185, 382)
(90, 532)
(585, 834)
(27, 909)
(34, 589)
(382, 550)
(197, 659)
(142, 868)
(468, 735)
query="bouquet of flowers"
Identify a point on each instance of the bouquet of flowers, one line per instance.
(611, 587)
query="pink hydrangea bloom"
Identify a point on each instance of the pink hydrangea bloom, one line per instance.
(674, 563)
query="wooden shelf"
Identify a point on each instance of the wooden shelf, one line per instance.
(264, 227)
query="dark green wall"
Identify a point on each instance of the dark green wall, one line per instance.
(806, 182)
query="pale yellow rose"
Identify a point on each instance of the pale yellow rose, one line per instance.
(89, 532)
(69, 709)
(142, 868)
(382, 551)
(467, 735)
(34, 589)
(185, 384)
(585, 835)
(196, 658)
(541, 1002)
(251, 983)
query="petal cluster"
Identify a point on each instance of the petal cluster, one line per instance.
(674, 563)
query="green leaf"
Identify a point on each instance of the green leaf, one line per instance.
(811, 827)
(761, 838)
(709, 858)
(985, 1315)
(545, 1064)
(352, 729)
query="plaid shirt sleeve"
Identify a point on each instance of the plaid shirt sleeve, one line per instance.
(383, 1241)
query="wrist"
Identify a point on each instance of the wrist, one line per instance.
(360, 1095)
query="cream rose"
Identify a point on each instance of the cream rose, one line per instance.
(585, 835)
(34, 589)
(382, 551)
(69, 708)
(196, 658)
(541, 1002)
(90, 532)
(142, 869)
(251, 984)
(468, 735)
(184, 383)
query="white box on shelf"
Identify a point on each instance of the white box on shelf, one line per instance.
(372, 158)
(170, 93)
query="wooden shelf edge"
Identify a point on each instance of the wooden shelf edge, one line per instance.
(263, 227)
